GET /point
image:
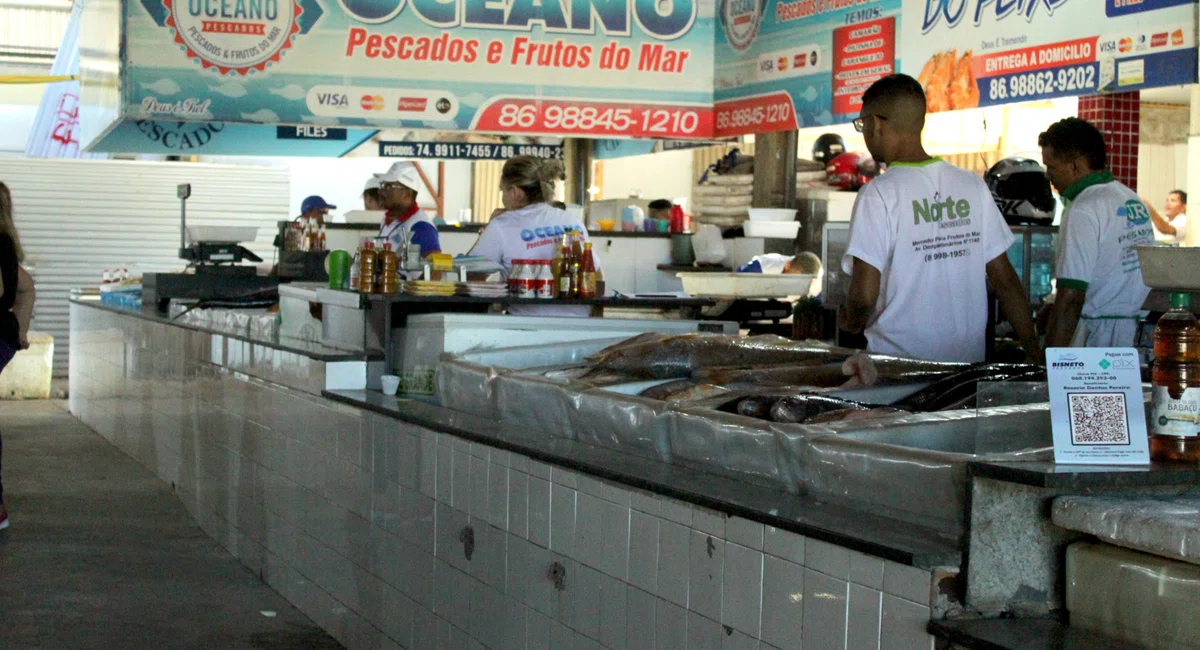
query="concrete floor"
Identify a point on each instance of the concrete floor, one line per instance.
(101, 554)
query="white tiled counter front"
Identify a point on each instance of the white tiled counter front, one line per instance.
(391, 535)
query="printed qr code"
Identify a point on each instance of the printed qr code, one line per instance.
(1098, 419)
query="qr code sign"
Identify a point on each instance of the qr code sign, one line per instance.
(1098, 419)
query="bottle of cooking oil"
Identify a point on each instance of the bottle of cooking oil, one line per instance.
(1175, 421)
(389, 270)
(368, 257)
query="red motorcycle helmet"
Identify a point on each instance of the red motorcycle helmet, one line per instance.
(850, 171)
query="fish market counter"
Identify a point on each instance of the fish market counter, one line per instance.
(524, 520)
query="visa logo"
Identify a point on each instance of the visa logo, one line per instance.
(1108, 46)
(333, 99)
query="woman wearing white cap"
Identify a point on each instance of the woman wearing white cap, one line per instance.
(372, 201)
(405, 221)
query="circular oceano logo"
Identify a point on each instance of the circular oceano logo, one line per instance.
(742, 19)
(234, 37)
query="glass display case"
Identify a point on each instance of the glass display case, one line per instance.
(1033, 255)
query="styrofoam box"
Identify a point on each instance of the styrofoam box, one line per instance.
(772, 214)
(772, 229)
(421, 344)
(1166, 267)
(748, 285)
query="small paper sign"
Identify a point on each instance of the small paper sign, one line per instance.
(1097, 407)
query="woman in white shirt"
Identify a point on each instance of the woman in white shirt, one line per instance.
(529, 228)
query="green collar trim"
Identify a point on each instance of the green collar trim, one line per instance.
(923, 163)
(1094, 178)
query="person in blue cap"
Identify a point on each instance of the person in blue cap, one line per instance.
(314, 208)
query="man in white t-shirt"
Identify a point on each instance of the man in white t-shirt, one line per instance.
(925, 240)
(1099, 289)
(1170, 227)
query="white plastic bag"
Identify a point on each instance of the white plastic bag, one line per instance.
(709, 247)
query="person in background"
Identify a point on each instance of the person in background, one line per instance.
(529, 228)
(17, 296)
(315, 209)
(372, 199)
(925, 240)
(405, 221)
(805, 263)
(659, 209)
(1099, 288)
(1171, 226)
(559, 204)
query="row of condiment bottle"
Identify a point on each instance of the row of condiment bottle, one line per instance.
(375, 270)
(571, 274)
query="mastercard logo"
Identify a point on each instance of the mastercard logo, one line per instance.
(372, 102)
(1177, 37)
(1125, 45)
(783, 63)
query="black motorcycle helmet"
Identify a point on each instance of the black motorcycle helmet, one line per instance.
(828, 147)
(1021, 190)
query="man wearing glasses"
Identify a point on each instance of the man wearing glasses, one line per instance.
(405, 222)
(925, 240)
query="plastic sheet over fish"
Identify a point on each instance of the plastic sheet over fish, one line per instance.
(681, 356)
(803, 408)
(958, 390)
(822, 374)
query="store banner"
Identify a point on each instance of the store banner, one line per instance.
(787, 64)
(616, 68)
(468, 150)
(179, 138)
(970, 53)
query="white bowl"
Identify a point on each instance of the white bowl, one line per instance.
(772, 214)
(772, 229)
(391, 384)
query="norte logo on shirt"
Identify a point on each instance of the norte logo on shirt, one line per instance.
(935, 211)
(1135, 214)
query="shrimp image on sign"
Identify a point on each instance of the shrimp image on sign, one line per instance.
(949, 82)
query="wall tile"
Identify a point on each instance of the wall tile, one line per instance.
(583, 594)
(673, 557)
(416, 519)
(909, 583)
(642, 626)
(783, 603)
(824, 612)
(706, 574)
(519, 463)
(395, 618)
(676, 511)
(828, 559)
(425, 625)
(611, 492)
(561, 636)
(745, 532)
(671, 626)
(539, 469)
(734, 640)
(614, 603)
(518, 503)
(709, 521)
(644, 502)
(614, 552)
(538, 631)
(488, 562)
(703, 633)
(863, 618)
(643, 551)
(445, 474)
(515, 622)
(481, 451)
(497, 496)
(428, 466)
(461, 481)
(421, 576)
(562, 519)
(903, 626)
(539, 511)
(784, 544)
(449, 548)
(518, 568)
(590, 535)
(489, 614)
(742, 593)
(564, 477)
(866, 570)
(479, 487)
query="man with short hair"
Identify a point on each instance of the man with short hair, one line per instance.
(1171, 226)
(1099, 290)
(925, 240)
(405, 221)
